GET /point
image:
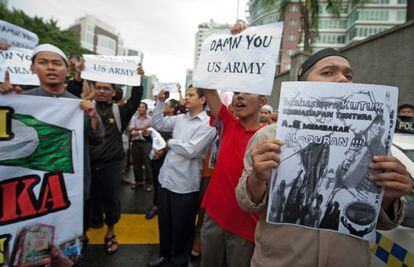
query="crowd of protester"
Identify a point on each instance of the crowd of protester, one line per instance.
(210, 182)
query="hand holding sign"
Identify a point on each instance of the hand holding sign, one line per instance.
(238, 28)
(161, 96)
(7, 87)
(394, 178)
(4, 46)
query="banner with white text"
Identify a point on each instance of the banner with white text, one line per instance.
(112, 69)
(17, 62)
(331, 133)
(245, 62)
(17, 36)
(41, 178)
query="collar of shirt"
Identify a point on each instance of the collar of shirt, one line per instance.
(202, 116)
(142, 117)
(43, 92)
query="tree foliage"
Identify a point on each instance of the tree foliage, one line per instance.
(47, 30)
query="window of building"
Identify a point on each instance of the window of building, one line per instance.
(290, 52)
(344, 8)
(287, 66)
(107, 44)
(401, 15)
(373, 15)
(340, 39)
(402, 2)
(292, 22)
(90, 33)
(332, 24)
(354, 17)
(292, 37)
(379, 1)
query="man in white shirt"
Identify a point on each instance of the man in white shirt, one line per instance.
(180, 175)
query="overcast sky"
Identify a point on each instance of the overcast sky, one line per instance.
(164, 30)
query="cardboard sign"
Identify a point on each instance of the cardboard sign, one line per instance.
(109, 69)
(245, 62)
(18, 63)
(17, 36)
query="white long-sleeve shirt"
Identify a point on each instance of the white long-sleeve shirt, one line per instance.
(191, 138)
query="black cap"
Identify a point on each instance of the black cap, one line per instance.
(312, 60)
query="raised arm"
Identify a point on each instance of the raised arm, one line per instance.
(131, 106)
(213, 101)
(159, 121)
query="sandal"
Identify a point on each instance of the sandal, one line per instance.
(109, 243)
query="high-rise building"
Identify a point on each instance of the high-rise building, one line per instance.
(98, 37)
(134, 53)
(205, 30)
(188, 79)
(355, 22)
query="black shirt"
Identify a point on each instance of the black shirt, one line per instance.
(112, 149)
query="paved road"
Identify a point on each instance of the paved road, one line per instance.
(138, 237)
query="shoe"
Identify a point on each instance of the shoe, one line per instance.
(125, 180)
(151, 213)
(158, 262)
(149, 188)
(196, 250)
(110, 242)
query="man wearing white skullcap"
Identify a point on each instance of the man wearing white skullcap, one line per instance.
(50, 65)
(48, 48)
(266, 114)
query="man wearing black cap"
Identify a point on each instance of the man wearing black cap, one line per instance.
(288, 245)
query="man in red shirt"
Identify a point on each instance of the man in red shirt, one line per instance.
(227, 235)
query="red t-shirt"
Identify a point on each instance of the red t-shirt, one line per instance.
(220, 198)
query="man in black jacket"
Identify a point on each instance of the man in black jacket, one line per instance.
(106, 158)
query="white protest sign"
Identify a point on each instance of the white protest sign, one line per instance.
(169, 87)
(331, 132)
(245, 62)
(17, 36)
(41, 177)
(112, 69)
(158, 142)
(17, 62)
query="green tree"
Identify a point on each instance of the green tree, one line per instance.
(47, 30)
(310, 10)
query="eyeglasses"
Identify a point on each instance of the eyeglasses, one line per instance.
(105, 88)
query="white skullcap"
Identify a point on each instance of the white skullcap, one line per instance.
(49, 48)
(268, 107)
